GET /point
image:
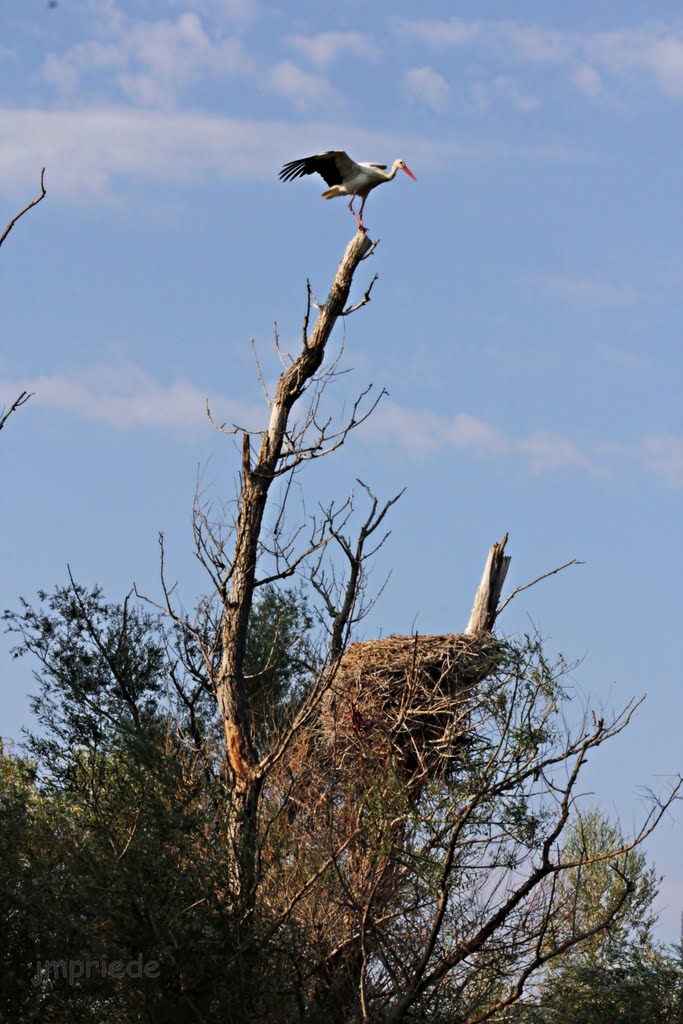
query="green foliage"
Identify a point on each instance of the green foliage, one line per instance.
(618, 976)
(627, 985)
(101, 672)
(116, 843)
(113, 830)
(281, 660)
(597, 884)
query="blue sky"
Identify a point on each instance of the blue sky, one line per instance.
(526, 322)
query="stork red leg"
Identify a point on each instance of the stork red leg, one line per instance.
(361, 225)
(358, 222)
(358, 219)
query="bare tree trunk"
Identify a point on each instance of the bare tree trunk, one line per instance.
(237, 599)
(486, 600)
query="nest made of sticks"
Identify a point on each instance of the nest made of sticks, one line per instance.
(406, 698)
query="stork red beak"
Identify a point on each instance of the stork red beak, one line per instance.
(409, 173)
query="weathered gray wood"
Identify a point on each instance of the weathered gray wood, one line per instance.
(483, 613)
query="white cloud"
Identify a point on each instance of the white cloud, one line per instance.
(65, 72)
(587, 80)
(239, 12)
(150, 61)
(663, 455)
(440, 34)
(502, 90)
(665, 60)
(302, 89)
(655, 50)
(416, 430)
(533, 43)
(583, 290)
(465, 431)
(426, 85)
(425, 432)
(128, 398)
(88, 149)
(546, 450)
(324, 48)
(660, 454)
(652, 49)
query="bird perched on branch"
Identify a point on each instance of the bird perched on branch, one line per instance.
(344, 176)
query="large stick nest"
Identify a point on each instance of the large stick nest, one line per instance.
(407, 699)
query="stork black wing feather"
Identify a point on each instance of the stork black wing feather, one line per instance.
(325, 164)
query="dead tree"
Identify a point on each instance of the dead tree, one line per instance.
(236, 558)
(243, 555)
(420, 789)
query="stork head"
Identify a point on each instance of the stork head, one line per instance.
(403, 166)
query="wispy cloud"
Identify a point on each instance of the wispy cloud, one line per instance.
(426, 85)
(425, 432)
(151, 62)
(502, 90)
(660, 454)
(587, 80)
(305, 91)
(127, 398)
(585, 291)
(663, 455)
(86, 150)
(532, 43)
(652, 49)
(655, 50)
(238, 12)
(438, 33)
(325, 47)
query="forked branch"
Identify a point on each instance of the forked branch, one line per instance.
(16, 404)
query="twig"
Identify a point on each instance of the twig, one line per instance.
(370, 250)
(34, 202)
(364, 301)
(260, 374)
(518, 590)
(21, 400)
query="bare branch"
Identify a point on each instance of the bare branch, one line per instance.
(29, 206)
(260, 374)
(364, 301)
(16, 404)
(518, 590)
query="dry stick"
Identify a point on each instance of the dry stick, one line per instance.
(16, 404)
(518, 590)
(34, 202)
(24, 396)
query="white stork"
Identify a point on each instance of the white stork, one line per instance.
(344, 176)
